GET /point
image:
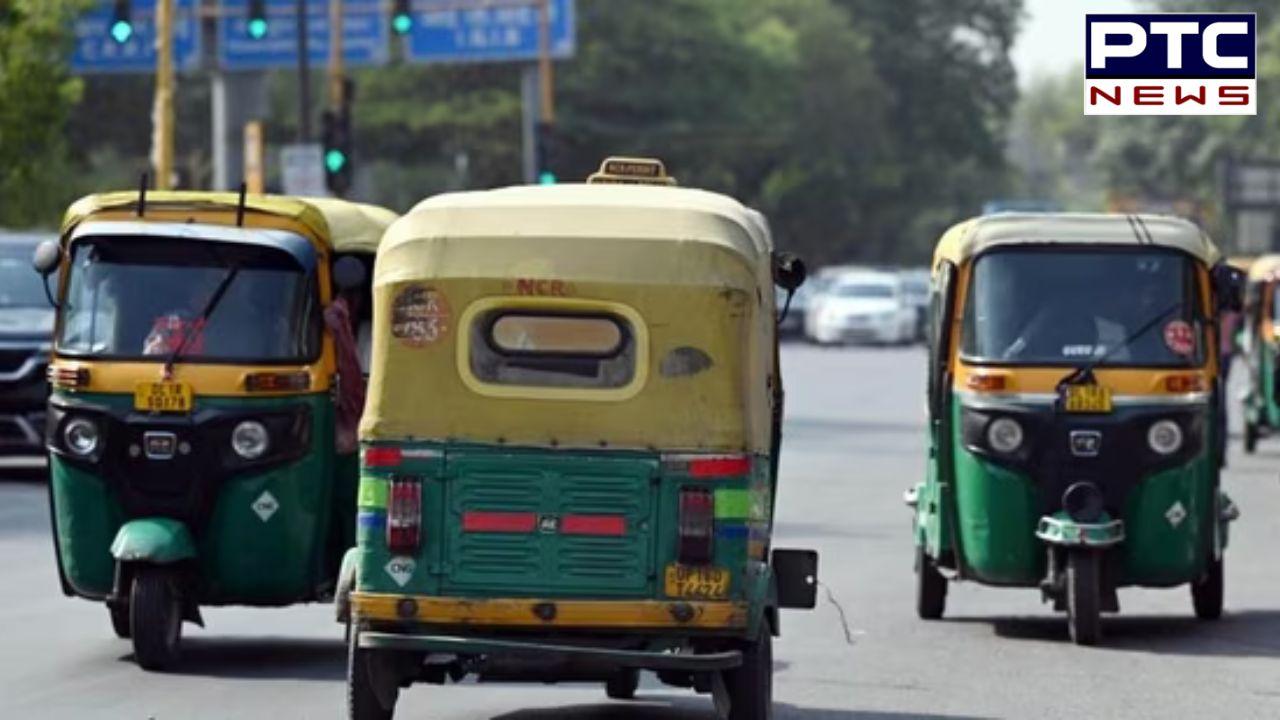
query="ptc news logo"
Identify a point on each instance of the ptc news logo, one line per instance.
(1171, 64)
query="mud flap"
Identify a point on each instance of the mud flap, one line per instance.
(796, 575)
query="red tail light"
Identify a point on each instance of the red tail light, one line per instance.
(722, 466)
(382, 457)
(697, 526)
(404, 516)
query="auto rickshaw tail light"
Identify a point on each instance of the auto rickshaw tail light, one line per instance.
(986, 383)
(1184, 383)
(697, 526)
(404, 515)
(277, 381)
(67, 377)
(382, 457)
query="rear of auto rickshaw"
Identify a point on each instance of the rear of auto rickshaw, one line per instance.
(1073, 399)
(1260, 346)
(570, 446)
(200, 451)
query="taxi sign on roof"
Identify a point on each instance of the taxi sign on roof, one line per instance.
(631, 171)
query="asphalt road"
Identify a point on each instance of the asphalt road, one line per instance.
(854, 442)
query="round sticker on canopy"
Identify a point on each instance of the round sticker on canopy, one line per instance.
(419, 315)
(1179, 337)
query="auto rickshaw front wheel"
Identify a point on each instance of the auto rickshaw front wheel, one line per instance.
(623, 685)
(931, 587)
(155, 617)
(750, 685)
(1084, 596)
(365, 676)
(1206, 593)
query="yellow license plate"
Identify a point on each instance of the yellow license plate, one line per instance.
(1087, 399)
(162, 397)
(702, 583)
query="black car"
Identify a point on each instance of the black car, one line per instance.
(26, 326)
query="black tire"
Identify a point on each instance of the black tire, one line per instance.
(623, 685)
(155, 618)
(931, 587)
(750, 685)
(1250, 437)
(362, 699)
(119, 620)
(1084, 615)
(1206, 594)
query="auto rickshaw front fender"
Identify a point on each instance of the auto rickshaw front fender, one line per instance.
(161, 541)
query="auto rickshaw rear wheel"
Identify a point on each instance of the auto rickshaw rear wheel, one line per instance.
(750, 685)
(1250, 437)
(1084, 615)
(155, 617)
(623, 685)
(364, 675)
(119, 613)
(1206, 593)
(931, 587)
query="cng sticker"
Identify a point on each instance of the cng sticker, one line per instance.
(1176, 513)
(401, 569)
(265, 506)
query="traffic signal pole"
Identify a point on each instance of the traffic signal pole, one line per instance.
(162, 111)
(304, 76)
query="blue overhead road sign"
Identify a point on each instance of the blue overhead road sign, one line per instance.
(97, 52)
(365, 34)
(487, 34)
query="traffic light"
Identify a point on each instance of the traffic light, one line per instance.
(121, 28)
(402, 16)
(544, 153)
(257, 25)
(336, 129)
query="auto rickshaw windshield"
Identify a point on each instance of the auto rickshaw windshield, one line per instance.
(139, 298)
(1032, 306)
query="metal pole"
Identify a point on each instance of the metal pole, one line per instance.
(162, 112)
(337, 71)
(545, 69)
(304, 76)
(529, 120)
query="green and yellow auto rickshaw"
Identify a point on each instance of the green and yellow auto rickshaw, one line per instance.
(1073, 399)
(1260, 344)
(570, 445)
(201, 431)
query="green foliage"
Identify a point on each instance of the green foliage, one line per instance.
(36, 97)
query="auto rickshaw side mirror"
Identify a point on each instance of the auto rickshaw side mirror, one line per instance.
(45, 260)
(789, 272)
(348, 273)
(1228, 287)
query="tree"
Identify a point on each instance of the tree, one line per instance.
(38, 95)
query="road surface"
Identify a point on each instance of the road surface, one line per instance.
(854, 441)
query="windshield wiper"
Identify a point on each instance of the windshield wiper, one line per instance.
(199, 323)
(1084, 373)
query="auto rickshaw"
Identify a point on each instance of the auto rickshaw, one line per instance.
(1072, 394)
(196, 424)
(1259, 345)
(570, 445)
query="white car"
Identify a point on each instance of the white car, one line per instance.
(862, 307)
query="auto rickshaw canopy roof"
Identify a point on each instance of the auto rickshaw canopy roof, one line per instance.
(1266, 267)
(978, 235)
(340, 225)
(692, 270)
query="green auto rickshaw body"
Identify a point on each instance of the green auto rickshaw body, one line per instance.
(162, 490)
(998, 514)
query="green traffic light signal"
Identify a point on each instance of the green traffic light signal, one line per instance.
(257, 28)
(335, 160)
(546, 177)
(121, 31)
(402, 23)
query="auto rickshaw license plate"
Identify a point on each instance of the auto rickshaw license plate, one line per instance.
(703, 583)
(1087, 399)
(162, 397)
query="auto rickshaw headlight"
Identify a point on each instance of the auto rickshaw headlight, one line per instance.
(1165, 437)
(250, 440)
(80, 437)
(1005, 435)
